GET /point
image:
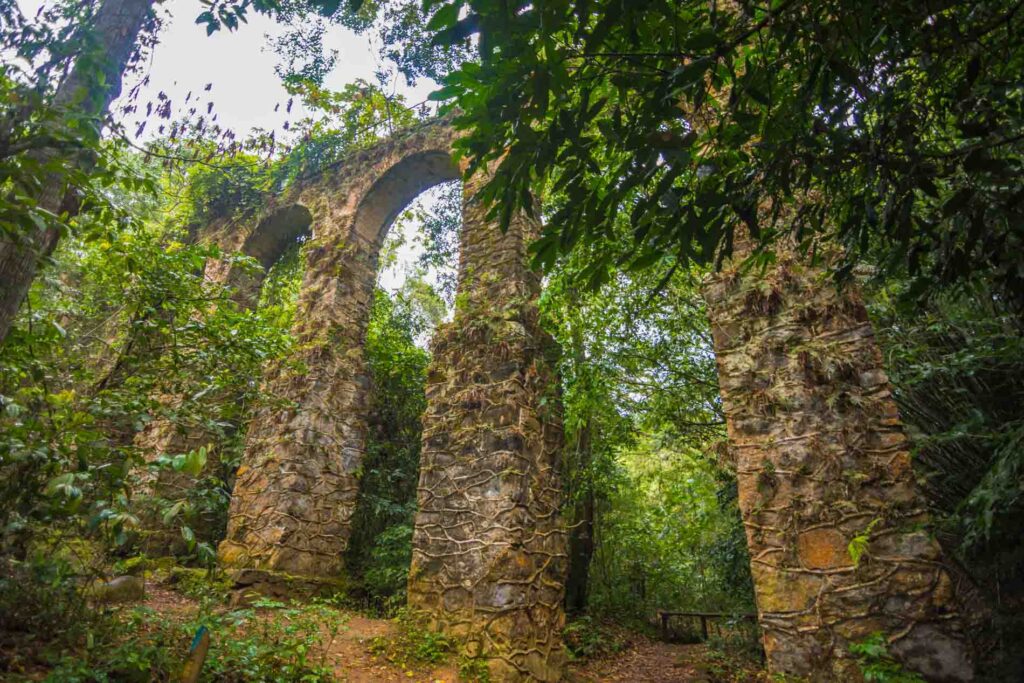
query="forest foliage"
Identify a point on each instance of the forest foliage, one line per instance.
(895, 131)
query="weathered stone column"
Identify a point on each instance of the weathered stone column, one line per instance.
(296, 489)
(489, 547)
(823, 462)
(265, 240)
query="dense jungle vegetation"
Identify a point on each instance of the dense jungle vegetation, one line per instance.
(659, 133)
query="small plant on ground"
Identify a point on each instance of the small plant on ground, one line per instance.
(137, 644)
(878, 665)
(412, 644)
(586, 637)
(474, 669)
(201, 584)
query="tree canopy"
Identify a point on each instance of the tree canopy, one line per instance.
(892, 129)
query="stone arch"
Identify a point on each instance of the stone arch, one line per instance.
(270, 234)
(489, 546)
(398, 187)
(490, 445)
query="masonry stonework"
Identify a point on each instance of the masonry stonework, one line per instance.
(489, 547)
(836, 527)
(823, 462)
(297, 485)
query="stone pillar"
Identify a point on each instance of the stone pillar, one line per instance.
(295, 491)
(162, 436)
(489, 547)
(823, 463)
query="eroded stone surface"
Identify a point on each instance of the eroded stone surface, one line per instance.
(489, 547)
(490, 556)
(296, 489)
(822, 459)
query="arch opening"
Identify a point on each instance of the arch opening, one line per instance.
(397, 188)
(291, 515)
(276, 233)
(321, 442)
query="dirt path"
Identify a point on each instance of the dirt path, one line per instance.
(646, 662)
(354, 663)
(349, 653)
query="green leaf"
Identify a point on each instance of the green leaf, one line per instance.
(172, 512)
(458, 32)
(194, 461)
(446, 93)
(60, 484)
(645, 260)
(858, 545)
(444, 17)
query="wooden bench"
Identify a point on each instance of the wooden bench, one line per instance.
(664, 616)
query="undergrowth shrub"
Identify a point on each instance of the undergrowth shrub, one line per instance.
(289, 645)
(877, 665)
(474, 669)
(387, 575)
(412, 644)
(587, 637)
(735, 645)
(380, 550)
(42, 612)
(201, 584)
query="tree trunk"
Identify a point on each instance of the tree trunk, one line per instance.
(94, 82)
(581, 538)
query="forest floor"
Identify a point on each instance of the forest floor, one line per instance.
(356, 652)
(366, 649)
(650, 661)
(359, 653)
(270, 640)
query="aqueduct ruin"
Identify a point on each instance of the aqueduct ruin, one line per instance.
(819, 448)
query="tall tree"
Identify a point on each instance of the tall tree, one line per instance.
(80, 104)
(86, 93)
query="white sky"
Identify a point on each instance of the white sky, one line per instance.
(245, 90)
(240, 65)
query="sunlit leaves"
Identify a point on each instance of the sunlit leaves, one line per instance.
(827, 107)
(120, 320)
(190, 463)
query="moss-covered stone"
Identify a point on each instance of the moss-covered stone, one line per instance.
(492, 429)
(822, 462)
(489, 548)
(119, 589)
(296, 489)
